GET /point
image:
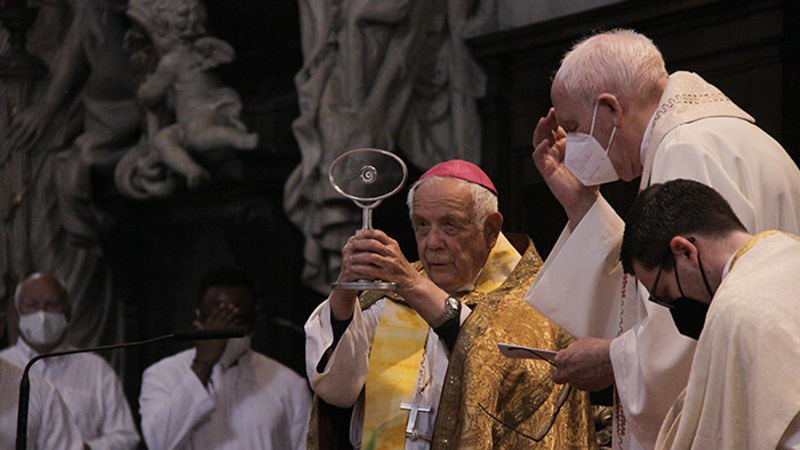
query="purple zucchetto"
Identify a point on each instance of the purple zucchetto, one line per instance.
(463, 170)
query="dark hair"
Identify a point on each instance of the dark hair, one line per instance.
(663, 211)
(228, 277)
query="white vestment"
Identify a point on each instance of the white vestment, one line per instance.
(743, 391)
(90, 389)
(255, 403)
(50, 425)
(699, 134)
(342, 379)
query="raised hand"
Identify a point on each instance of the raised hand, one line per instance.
(371, 254)
(208, 352)
(549, 147)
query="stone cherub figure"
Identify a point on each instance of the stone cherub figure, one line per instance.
(206, 113)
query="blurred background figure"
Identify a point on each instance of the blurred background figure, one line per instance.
(86, 382)
(221, 394)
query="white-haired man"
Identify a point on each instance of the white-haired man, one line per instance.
(617, 113)
(418, 365)
(87, 383)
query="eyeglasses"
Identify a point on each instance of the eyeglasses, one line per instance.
(561, 398)
(653, 297)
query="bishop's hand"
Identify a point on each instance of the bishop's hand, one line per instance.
(371, 254)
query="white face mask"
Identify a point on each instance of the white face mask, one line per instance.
(234, 348)
(587, 159)
(42, 327)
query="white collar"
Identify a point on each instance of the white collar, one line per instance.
(470, 286)
(27, 353)
(728, 266)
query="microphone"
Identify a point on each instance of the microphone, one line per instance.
(25, 385)
(199, 335)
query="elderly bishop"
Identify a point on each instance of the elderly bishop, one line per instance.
(419, 367)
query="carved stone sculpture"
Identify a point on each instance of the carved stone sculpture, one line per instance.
(387, 74)
(187, 108)
(81, 119)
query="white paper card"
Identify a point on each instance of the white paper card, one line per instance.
(518, 351)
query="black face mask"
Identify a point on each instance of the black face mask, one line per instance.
(689, 314)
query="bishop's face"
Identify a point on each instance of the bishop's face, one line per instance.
(451, 246)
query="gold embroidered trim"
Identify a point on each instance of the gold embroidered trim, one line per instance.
(521, 392)
(753, 241)
(690, 99)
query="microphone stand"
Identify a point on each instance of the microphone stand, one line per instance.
(25, 385)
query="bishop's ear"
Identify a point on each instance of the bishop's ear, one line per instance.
(492, 226)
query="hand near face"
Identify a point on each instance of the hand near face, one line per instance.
(549, 149)
(223, 316)
(585, 364)
(549, 145)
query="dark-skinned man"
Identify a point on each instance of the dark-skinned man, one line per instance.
(221, 394)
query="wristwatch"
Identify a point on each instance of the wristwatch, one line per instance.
(451, 308)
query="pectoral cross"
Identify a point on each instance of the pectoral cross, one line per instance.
(414, 409)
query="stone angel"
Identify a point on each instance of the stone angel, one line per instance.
(207, 113)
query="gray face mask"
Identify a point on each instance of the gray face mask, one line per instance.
(43, 327)
(587, 159)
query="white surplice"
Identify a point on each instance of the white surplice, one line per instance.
(699, 134)
(341, 381)
(743, 390)
(90, 389)
(50, 425)
(255, 403)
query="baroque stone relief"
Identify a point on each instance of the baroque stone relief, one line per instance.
(392, 74)
(187, 110)
(68, 135)
(71, 127)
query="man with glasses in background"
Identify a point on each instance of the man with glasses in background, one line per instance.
(735, 292)
(86, 382)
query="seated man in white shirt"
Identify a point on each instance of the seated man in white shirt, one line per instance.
(49, 423)
(221, 394)
(86, 382)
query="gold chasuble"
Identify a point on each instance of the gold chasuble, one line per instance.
(518, 391)
(397, 350)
